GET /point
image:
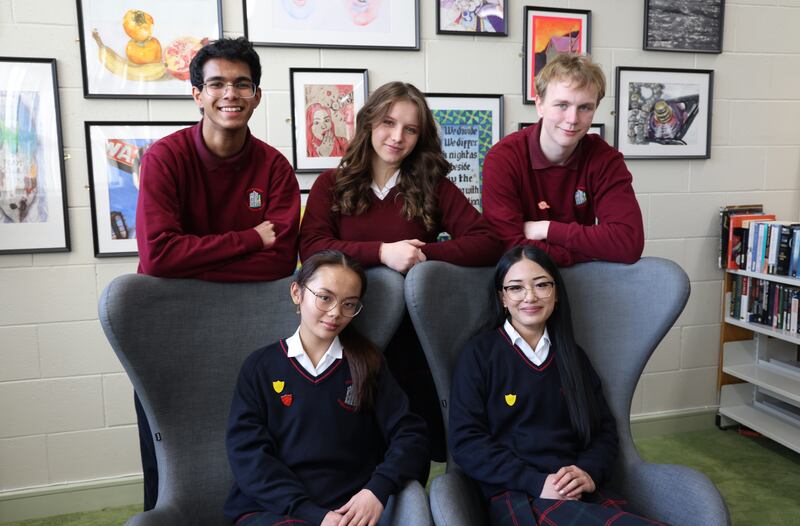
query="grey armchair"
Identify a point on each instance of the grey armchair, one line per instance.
(182, 343)
(620, 314)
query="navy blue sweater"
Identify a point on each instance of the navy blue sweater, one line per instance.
(509, 422)
(297, 447)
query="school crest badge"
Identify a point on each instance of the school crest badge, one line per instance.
(511, 399)
(580, 197)
(278, 385)
(287, 399)
(255, 199)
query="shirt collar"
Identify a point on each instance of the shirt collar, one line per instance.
(391, 183)
(294, 347)
(538, 159)
(517, 339)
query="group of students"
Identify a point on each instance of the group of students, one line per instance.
(320, 431)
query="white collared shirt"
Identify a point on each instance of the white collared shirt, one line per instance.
(391, 183)
(538, 355)
(295, 350)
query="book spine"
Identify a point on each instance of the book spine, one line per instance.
(784, 250)
(774, 242)
(745, 299)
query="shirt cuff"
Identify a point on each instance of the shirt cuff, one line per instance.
(382, 487)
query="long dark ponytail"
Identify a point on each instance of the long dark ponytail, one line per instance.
(363, 357)
(583, 411)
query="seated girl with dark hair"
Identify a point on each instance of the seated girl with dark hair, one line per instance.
(319, 432)
(528, 419)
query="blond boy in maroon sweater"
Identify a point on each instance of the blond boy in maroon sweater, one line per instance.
(553, 186)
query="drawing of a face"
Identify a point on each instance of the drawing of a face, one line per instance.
(321, 123)
(299, 9)
(362, 11)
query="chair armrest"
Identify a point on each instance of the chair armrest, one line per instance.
(674, 494)
(455, 501)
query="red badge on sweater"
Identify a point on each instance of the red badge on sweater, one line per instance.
(287, 399)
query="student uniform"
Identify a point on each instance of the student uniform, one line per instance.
(297, 446)
(510, 428)
(360, 236)
(589, 200)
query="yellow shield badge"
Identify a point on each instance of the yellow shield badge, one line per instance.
(278, 386)
(511, 399)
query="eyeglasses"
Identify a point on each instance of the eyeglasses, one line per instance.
(245, 90)
(541, 290)
(327, 302)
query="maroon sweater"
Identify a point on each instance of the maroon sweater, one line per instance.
(196, 211)
(360, 236)
(594, 183)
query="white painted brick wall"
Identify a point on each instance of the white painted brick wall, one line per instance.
(65, 404)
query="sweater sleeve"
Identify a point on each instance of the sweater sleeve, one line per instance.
(166, 250)
(473, 242)
(320, 230)
(407, 454)
(283, 210)
(251, 448)
(619, 233)
(473, 447)
(503, 210)
(598, 458)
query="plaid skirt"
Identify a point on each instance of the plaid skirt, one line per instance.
(514, 508)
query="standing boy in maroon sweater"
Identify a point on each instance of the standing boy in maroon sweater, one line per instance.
(215, 203)
(553, 186)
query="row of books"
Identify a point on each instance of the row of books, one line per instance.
(765, 302)
(753, 240)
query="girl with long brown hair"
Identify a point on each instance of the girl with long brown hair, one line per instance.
(387, 203)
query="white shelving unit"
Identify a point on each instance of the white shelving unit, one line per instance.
(764, 392)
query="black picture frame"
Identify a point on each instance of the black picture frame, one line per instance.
(308, 29)
(663, 113)
(693, 26)
(341, 108)
(532, 61)
(121, 145)
(33, 204)
(107, 74)
(488, 20)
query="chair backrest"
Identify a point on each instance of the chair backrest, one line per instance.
(620, 313)
(182, 343)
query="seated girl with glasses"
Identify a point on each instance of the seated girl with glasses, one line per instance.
(386, 204)
(319, 432)
(528, 420)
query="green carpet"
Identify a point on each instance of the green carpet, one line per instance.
(759, 479)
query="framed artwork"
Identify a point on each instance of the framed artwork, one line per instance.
(114, 151)
(324, 107)
(547, 32)
(33, 199)
(597, 128)
(469, 125)
(663, 113)
(475, 17)
(143, 51)
(684, 25)
(374, 24)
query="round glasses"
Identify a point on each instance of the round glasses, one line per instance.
(327, 302)
(541, 290)
(217, 88)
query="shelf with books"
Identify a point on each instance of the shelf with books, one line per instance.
(777, 278)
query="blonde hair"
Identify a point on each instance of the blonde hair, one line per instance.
(578, 69)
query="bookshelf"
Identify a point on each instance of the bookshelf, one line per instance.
(759, 373)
